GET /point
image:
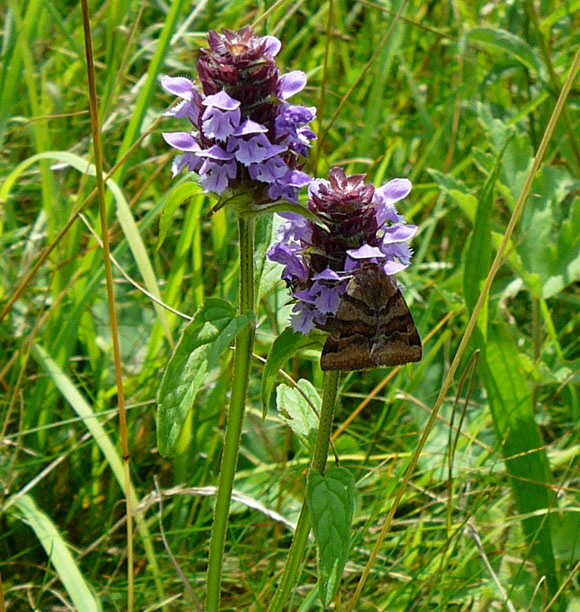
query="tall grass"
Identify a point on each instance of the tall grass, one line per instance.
(457, 97)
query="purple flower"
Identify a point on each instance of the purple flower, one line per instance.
(221, 117)
(190, 105)
(242, 109)
(291, 83)
(269, 171)
(363, 227)
(251, 145)
(304, 318)
(217, 167)
(288, 185)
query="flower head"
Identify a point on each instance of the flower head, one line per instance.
(244, 134)
(362, 226)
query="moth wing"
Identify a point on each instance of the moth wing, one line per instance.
(372, 327)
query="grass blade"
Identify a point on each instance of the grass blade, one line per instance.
(56, 548)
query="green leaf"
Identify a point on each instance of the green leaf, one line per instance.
(124, 214)
(561, 11)
(286, 344)
(550, 241)
(55, 546)
(202, 342)
(524, 452)
(285, 207)
(497, 131)
(506, 42)
(176, 198)
(262, 242)
(91, 421)
(478, 259)
(298, 408)
(330, 500)
(457, 191)
(517, 163)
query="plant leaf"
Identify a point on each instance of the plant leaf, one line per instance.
(478, 257)
(330, 500)
(58, 552)
(284, 346)
(175, 199)
(298, 408)
(262, 241)
(506, 42)
(550, 245)
(524, 452)
(211, 331)
(457, 191)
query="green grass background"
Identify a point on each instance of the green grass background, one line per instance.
(456, 96)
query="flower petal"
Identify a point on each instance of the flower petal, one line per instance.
(271, 45)
(394, 190)
(399, 232)
(184, 141)
(302, 318)
(327, 274)
(221, 100)
(216, 152)
(291, 83)
(329, 298)
(393, 267)
(250, 127)
(178, 86)
(366, 251)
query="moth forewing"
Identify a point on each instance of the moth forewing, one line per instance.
(372, 326)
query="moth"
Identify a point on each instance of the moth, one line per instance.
(372, 326)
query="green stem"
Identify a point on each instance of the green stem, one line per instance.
(235, 417)
(296, 552)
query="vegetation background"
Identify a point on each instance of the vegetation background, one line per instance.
(455, 96)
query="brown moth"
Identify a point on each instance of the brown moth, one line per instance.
(372, 326)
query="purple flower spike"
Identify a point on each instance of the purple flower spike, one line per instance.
(362, 227)
(241, 106)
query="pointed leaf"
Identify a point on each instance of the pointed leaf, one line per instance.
(202, 342)
(262, 241)
(550, 244)
(298, 408)
(175, 199)
(57, 550)
(457, 191)
(330, 500)
(478, 259)
(503, 41)
(285, 346)
(521, 443)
